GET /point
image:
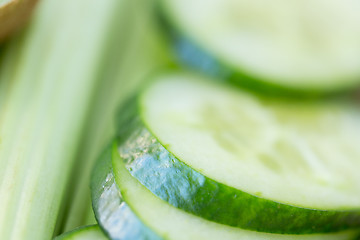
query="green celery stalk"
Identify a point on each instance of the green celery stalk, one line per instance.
(144, 51)
(48, 76)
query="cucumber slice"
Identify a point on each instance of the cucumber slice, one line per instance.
(111, 212)
(243, 161)
(306, 46)
(134, 210)
(84, 233)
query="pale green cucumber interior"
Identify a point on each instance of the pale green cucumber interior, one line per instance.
(173, 223)
(84, 233)
(303, 154)
(296, 43)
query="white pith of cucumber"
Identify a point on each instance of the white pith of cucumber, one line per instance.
(169, 222)
(312, 44)
(299, 154)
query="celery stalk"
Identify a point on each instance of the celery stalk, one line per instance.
(48, 78)
(144, 52)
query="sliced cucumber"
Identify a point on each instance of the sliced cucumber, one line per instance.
(311, 46)
(84, 233)
(111, 212)
(136, 213)
(252, 163)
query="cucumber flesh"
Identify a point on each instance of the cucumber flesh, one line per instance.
(209, 150)
(313, 45)
(301, 154)
(84, 233)
(166, 221)
(173, 181)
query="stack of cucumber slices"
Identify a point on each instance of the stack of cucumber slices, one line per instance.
(202, 159)
(198, 160)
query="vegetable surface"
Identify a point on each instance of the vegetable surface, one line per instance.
(48, 76)
(289, 47)
(125, 209)
(244, 161)
(84, 233)
(13, 14)
(134, 50)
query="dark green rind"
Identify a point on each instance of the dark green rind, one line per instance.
(79, 233)
(177, 183)
(113, 215)
(191, 54)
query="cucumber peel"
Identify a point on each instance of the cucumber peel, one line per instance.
(112, 213)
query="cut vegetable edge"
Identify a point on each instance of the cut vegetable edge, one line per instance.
(179, 184)
(92, 232)
(112, 213)
(145, 216)
(193, 53)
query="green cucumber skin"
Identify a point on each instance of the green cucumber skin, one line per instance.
(77, 233)
(113, 215)
(175, 182)
(205, 62)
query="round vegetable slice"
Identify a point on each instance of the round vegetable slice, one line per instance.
(141, 213)
(92, 232)
(247, 162)
(304, 46)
